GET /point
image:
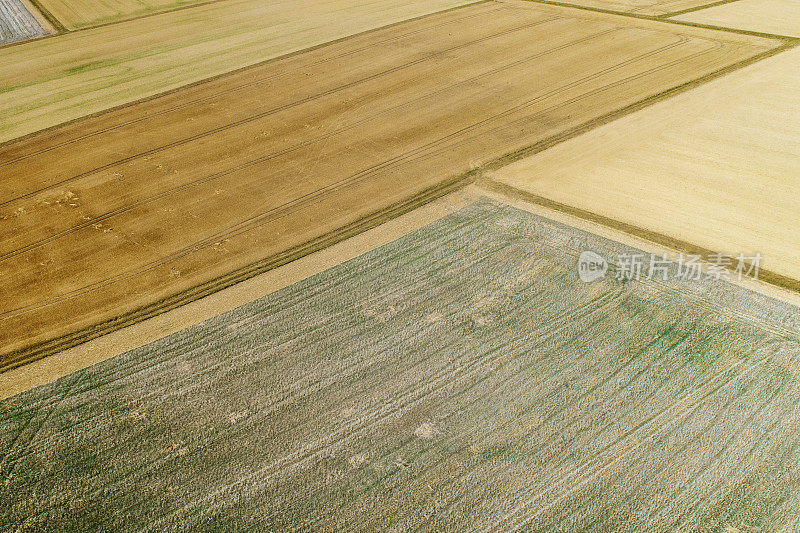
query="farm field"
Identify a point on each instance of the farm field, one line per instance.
(47, 82)
(640, 7)
(781, 17)
(18, 23)
(459, 377)
(724, 181)
(246, 171)
(82, 13)
(50, 368)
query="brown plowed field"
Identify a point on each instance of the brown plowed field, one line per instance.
(110, 219)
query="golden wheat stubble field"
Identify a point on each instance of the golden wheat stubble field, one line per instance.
(724, 181)
(51, 81)
(122, 215)
(82, 13)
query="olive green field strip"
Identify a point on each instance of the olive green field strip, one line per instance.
(459, 378)
(174, 196)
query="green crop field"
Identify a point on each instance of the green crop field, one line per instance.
(462, 377)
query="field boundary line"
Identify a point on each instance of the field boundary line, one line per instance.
(177, 143)
(660, 239)
(28, 136)
(696, 8)
(40, 18)
(660, 18)
(55, 33)
(39, 350)
(60, 28)
(265, 157)
(9, 142)
(145, 15)
(63, 29)
(611, 116)
(50, 24)
(185, 104)
(252, 222)
(228, 125)
(260, 285)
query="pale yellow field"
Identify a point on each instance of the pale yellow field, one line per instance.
(781, 17)
(51, 81)
(641, 7)
(81, 13)
(716, 166)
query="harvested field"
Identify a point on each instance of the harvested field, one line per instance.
(76, 14)
(780, 17)
(178, 196)
(78, 357)
(51, 81)
(461, 377)
(640, 7)
(17, 23)
(724, 181)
